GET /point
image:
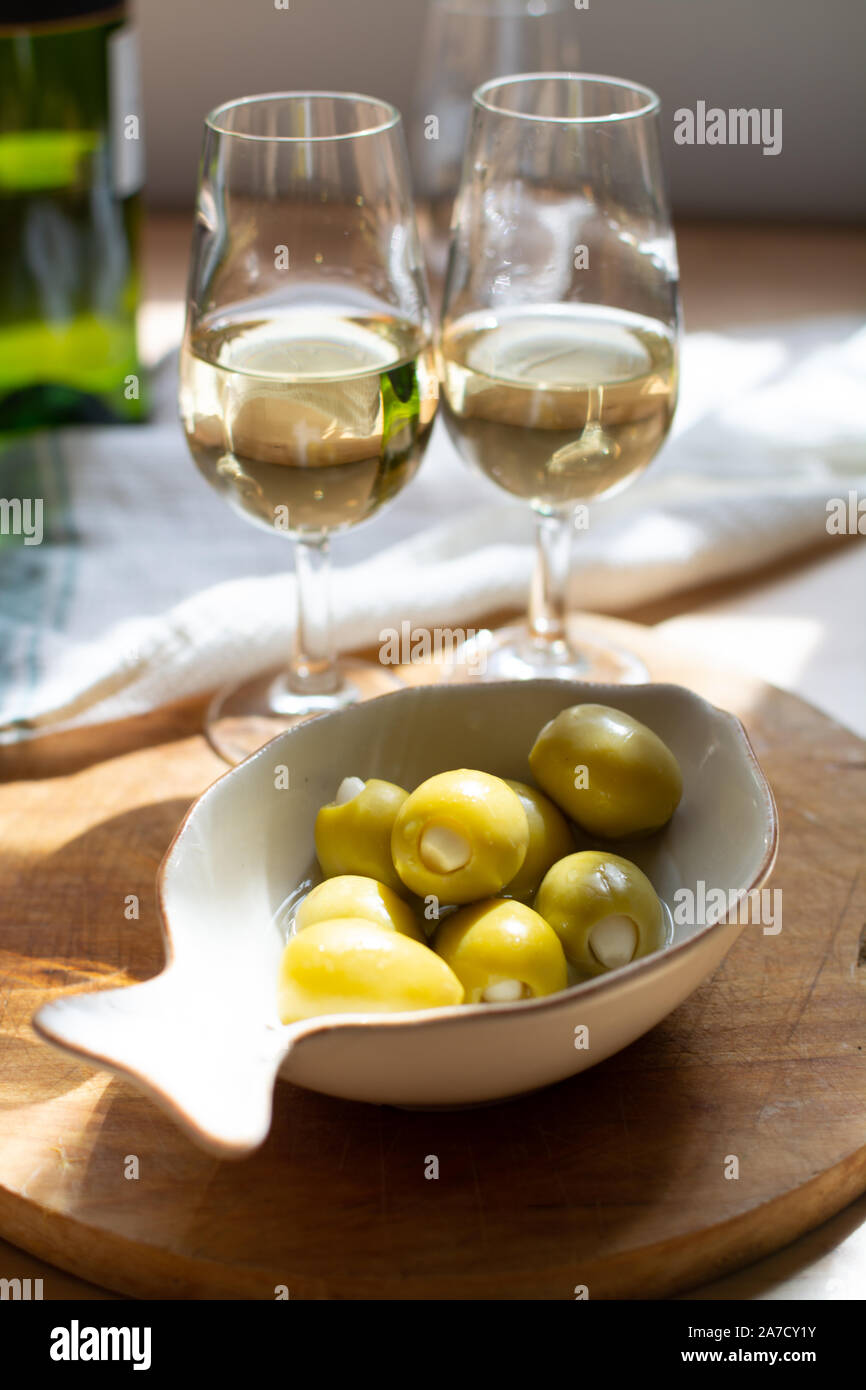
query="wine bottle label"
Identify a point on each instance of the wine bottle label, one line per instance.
(124, 112)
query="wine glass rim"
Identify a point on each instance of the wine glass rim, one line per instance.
(391, 117)
(651, 103)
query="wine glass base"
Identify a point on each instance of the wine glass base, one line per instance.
(508, 653)
(241, 718)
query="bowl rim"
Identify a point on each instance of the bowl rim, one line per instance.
(635, 970)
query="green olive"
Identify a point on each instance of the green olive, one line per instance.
(353, 966)
(550, 838)
(351, 895)
(459, 836)
(500, 950)
(603, 909)
(353, 832)
(609, 772)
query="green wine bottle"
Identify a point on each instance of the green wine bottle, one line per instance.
(70, 174)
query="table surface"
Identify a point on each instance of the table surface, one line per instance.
(797, 624)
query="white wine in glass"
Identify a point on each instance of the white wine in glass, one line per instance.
(559, 341)
(308, 418)
(308, 383)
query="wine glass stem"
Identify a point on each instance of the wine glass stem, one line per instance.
(547, 596)
(313, 666)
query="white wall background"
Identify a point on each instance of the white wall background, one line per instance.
(805, 56)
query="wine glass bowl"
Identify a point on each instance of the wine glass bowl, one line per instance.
(308, 383)
(559, 339)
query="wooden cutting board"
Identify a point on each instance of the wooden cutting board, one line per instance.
(615, 1180)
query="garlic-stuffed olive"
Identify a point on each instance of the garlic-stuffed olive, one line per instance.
(352, 895)
(607, 771)
(353, 832)
(603, 908)
(353, 966)
(550, 838)
(459, 836)
(500, 950)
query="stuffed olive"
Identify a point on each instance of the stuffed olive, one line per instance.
(550, 838)
(351, 895)
(500, 950)
(353, 832)
(461, 835)
(611, 774)
(604, 910)
(354, 966)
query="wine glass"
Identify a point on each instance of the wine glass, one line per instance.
(463, 43)
(308, 383)
(559, 339)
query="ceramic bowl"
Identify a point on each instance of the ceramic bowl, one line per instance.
(203, 1037)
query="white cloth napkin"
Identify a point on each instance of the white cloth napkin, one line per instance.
(147, 588)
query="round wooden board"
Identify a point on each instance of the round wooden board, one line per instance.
(615, 1180)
